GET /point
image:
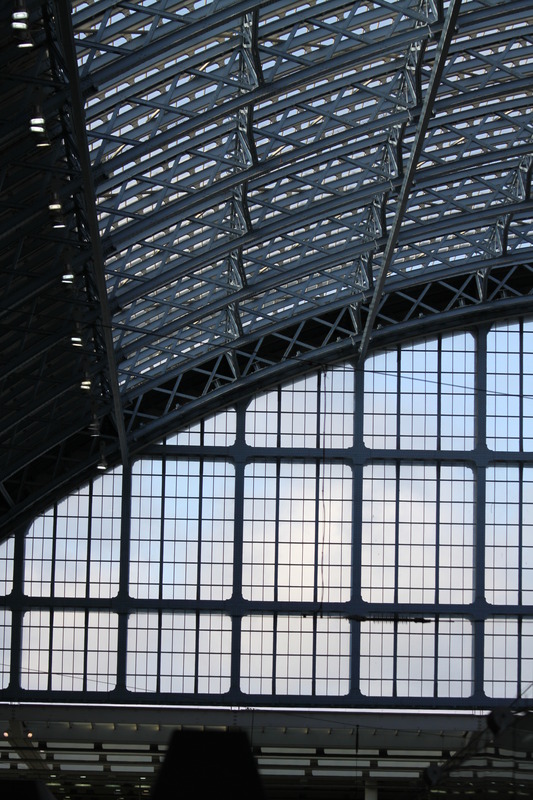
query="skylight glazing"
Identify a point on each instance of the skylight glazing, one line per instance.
(248, 160)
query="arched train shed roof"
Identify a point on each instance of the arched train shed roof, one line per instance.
(246, 190)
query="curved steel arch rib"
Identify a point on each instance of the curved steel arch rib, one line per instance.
(275, 183)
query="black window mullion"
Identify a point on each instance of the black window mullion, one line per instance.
(395, 659)
(397, 531)
(274, 651)
(159, 643)
(314, 655)
(53, 556)
(196, 651)
(123, 600)
(85, 648)
(521, 389)
(89, 535)
(439, 393)
(162, 527)
(318, 596)
(50, 647)
(199, 530)
(276, 531)
(436, 658)
(437, 533)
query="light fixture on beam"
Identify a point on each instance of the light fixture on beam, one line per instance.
(85, 384)
(54, 206)
(24, 40)
(102, 464)
(38, 127)
(37, 121)
(20, 24)
(68, 275)
(20, 17)
(94, 428)
(56, 210)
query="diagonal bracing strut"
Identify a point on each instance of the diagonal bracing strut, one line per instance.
(441, 53)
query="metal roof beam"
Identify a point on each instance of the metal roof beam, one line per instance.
(139, 286)
(266, 91)
(271, 374)
(21, 361)
(171, 39)
(447, 35)
(516, 304)
(63, 14)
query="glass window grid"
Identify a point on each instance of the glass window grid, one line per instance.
(421, 396)
(101, 647)
(178, 652)
(316, 411)
(219, 431)
(104, 547)
(501, 678)
(508, 531)
(71, 545)
(35, 651)
(510, 387)
(5, 647)
(416, 658)
(7, 553)
(297, 525)
(76, 544)
(182, 547)
(38, 556)
(417, 533)
(145, 535)
(294, 655)
(380, 419)
(527, 386)
(433, 659)
(69, 650)
(526, 660)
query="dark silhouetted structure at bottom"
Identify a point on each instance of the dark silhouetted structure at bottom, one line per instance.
(208, 764)
(27, 790)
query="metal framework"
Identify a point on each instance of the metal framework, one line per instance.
(249, 190)
(357, 538)
(353, 541)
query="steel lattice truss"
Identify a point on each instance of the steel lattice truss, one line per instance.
(268, 186)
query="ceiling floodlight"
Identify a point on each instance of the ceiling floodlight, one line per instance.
(86, 384)
(59, 222)
(37, 123)
(56, 210)
(20, 25)
(20, 16)
(54, 206)
(94, 429)
(43, 140)
(38, 127)
(24, 40)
